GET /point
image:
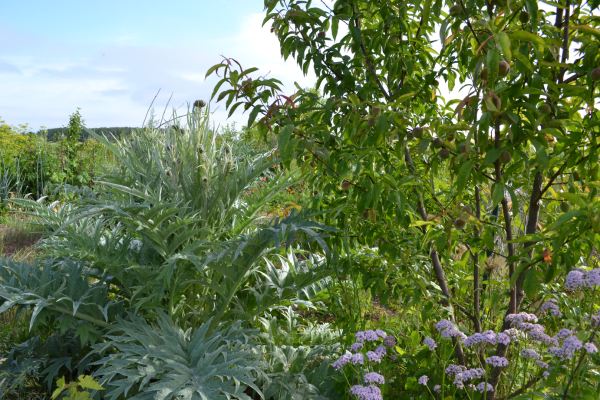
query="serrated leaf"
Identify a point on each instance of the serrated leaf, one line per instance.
(87, 382)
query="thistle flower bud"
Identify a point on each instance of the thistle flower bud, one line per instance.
(199, 104)
(204, 180)
(200, 150)
(169, 173)
(179, 161)
(226, 149)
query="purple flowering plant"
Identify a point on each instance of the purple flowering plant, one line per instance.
(364, 366)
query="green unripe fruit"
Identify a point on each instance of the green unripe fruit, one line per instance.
(496, 101)
(450, 136)
(467, 209)
(545, 108)
(372, 122)
(524, 17)
(321, 35)
(376, 111)
(437, 143)
(565, 207)
(576, 176)
(503, 68)
(456, 11)
(484, 74)
(505, 157)
(444, 154)
(366, 214)
(418, 132)
(436, 83)
(346, 185)
(459, 223)
(595, 75)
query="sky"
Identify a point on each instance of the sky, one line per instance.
(110, 58)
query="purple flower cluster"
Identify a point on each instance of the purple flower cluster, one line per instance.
(497, 361)
(519, 318)
(444, 324)
(467, 375)
(356, 346)
(485, 337)
(569, 346)
(484, 386)
(389, 341)
(429, 342)
(563, 333)
(377, 355)
(366, 392)
(437, 389)
(552, 306)
(542, 364)
(343, 360)
(374, 377)
(370, 335)
(358, 358)
(452, 369)
(578, 278)
(590, 348)
(514, 334)
(423, 380)
(528, 353)
(534, 331)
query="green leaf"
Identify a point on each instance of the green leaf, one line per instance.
(491, 156)
(463, 176)
(321, 152)
(515, 201)
(334, 27)
(253, 115)
(573, 198)
(528, 37)
(543, 159)
(493, 60)
(532, 8)
(425, 13)
(566, 217)
(87, 382)
(531, 283)
(213, 69)
(287, 144)
(498, 193)
(505, 46)
(404, 97)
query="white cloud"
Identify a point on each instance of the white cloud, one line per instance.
(114, 85)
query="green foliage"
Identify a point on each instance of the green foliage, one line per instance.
(298, 358)
(73, 392)
(169, 362)
(368, 148)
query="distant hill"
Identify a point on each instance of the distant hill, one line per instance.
(55, 133)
